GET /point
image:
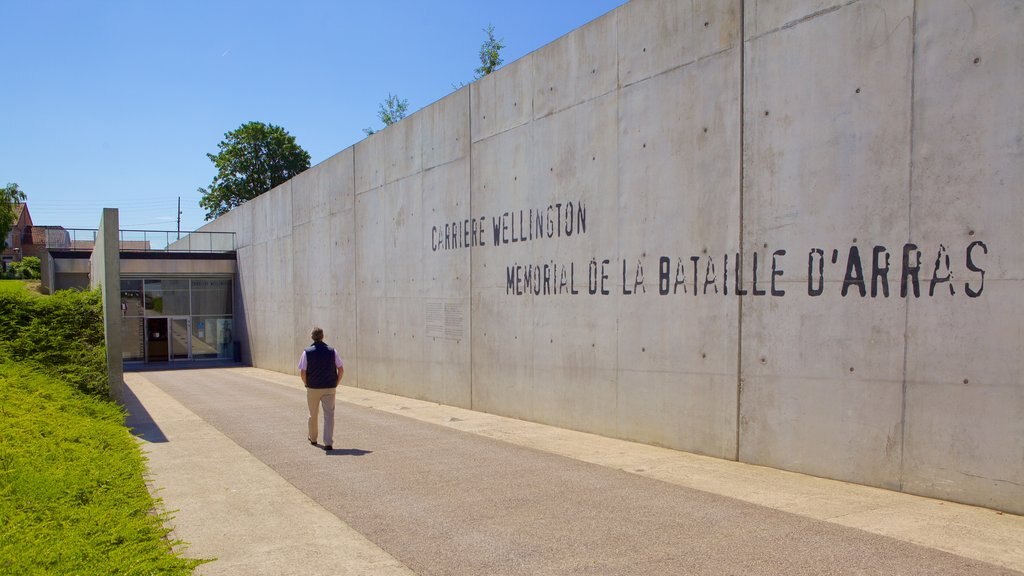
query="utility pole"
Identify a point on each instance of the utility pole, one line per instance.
(179, 217)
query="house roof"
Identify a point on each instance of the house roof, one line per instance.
(22, 218)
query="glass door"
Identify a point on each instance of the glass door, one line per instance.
(156, 340)
(180, 333)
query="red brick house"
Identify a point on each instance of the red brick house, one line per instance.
(20, 237)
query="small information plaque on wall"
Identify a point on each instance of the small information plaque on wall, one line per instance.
(444, 319)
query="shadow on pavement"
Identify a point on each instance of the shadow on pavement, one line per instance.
(348, 452)
(139, 421)
(181, 365)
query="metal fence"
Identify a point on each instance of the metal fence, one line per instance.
(70, 239)
(143, 240)
(171, 241)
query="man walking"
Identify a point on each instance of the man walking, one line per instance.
(321, 370)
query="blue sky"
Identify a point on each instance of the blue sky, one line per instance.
(116, 104)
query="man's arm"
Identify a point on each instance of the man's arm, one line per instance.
(302, 373)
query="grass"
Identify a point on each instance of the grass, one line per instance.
(72, 495)
(19, 286)
(73, 499)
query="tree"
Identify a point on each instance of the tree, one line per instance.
(490, 56)
(490, 53)
(391, 110)
(252, 160)
(9, 196)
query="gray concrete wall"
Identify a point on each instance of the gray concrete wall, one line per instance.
(105, 274)
(68, 273)
(141, 267)
(689, 223)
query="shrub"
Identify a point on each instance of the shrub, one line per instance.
(28, 269)
(61, 335)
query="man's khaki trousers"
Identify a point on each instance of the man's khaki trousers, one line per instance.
(314, 398)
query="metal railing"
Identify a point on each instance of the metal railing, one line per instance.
(171, 241)
(71, 238)
(84, 239)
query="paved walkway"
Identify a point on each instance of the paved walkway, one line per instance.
(419, 488)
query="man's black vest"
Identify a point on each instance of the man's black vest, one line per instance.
(320, 369)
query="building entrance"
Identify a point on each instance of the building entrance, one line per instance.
(168, 338)
(168, 319)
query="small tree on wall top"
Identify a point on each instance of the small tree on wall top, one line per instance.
(490, 53)
(391, 110)
(253, 159)
(490, 56)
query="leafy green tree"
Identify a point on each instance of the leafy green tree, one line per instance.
(252, 160)
(9, 196)
(391, 110)
(490, 53)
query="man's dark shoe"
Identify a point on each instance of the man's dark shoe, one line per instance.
(312, 442)
(329, 447)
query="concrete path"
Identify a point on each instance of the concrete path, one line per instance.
(418, 488)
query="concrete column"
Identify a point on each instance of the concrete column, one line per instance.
(105, 274)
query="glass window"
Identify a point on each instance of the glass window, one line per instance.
(154, 298)
(211, 337)
(179, 337)
(176, 297)
(167, 297)
(131, 297)
(132, 344)
(211, 296)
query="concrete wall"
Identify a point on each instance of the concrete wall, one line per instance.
(105, 274)
(141, 267)
(689, 223)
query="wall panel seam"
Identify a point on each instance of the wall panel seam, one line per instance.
(802, 19)
(469, 156)
(742, 175)
(910, 232)
(678, 67)
(355, 250)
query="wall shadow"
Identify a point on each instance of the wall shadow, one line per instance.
(181, 365)
(138, 420)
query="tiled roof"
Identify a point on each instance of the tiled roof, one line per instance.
(39, 235)
(22, 215)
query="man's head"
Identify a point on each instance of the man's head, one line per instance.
(318, 334)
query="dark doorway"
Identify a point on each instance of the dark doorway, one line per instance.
(156, 340)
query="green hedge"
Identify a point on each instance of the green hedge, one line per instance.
(61, 335)
(27, 269)
(72, 495)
